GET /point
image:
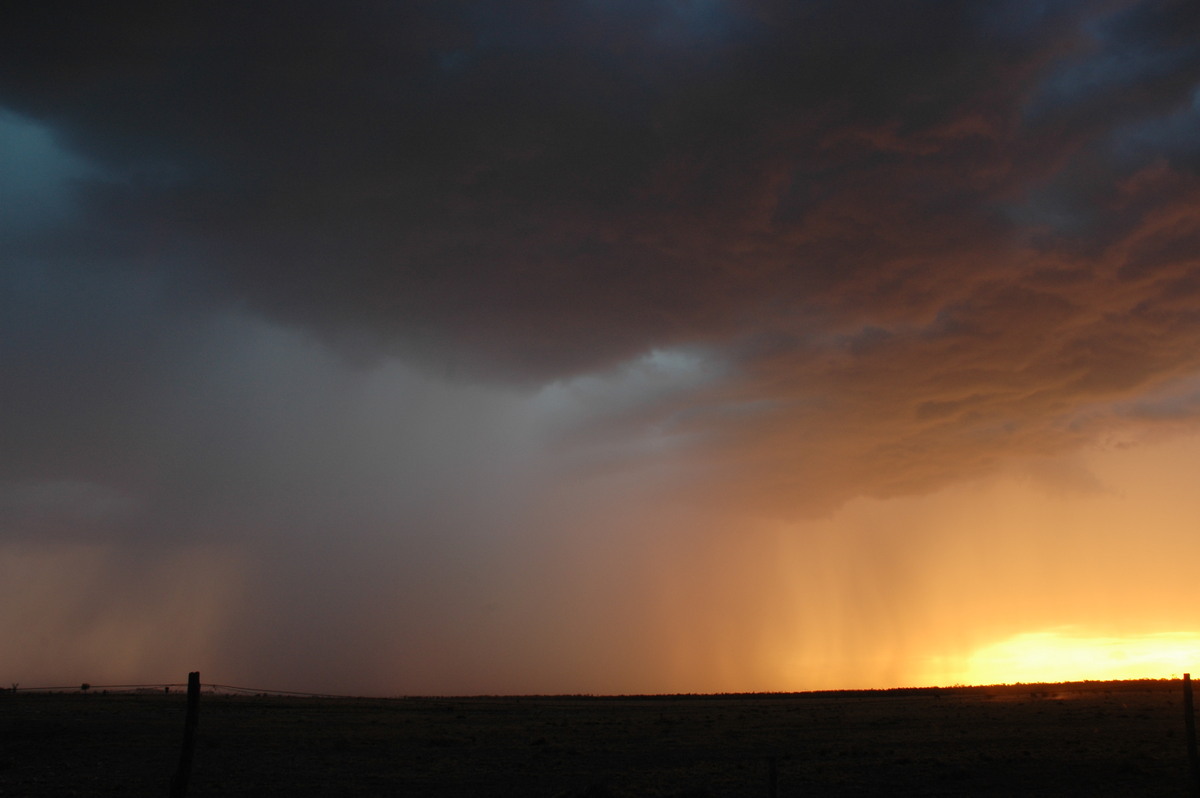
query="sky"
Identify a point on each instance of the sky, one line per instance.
(454, 347)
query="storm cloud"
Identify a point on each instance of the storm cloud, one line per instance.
(384, 304)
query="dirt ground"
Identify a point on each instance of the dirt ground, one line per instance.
(1095, 739)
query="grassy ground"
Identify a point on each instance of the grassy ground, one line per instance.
(1113, 739)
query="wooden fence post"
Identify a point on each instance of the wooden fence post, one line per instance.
(1189, 719)
(179, 783)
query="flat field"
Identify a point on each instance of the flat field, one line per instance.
(1085, 739)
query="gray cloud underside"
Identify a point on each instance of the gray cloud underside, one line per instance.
(920, 240)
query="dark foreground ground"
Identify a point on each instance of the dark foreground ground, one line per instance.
(1094, 739)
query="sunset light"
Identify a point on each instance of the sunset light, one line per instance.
(1065, 655)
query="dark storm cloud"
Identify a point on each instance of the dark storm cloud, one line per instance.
(920, 232)
(537, 189)
(468, 335)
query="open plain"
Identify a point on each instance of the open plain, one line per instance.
(1082, 739)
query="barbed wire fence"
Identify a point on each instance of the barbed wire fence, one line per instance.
(210, 687)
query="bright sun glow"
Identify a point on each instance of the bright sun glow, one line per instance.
(1063, 655)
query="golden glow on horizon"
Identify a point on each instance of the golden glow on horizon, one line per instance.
(1063, 655)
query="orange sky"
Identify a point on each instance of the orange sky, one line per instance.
(1052, 570)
